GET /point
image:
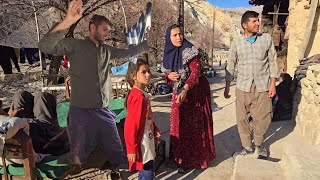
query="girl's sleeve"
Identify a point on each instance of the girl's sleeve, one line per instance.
(195, 72)
(133, 123)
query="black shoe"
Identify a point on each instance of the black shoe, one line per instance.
(171, 164)
(182, 170)
(262, 151)
(113, 175)
(242, 152)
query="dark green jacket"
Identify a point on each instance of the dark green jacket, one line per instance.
(89, 71)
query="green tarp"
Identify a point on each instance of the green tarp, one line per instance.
(116, 105)
(47, 168)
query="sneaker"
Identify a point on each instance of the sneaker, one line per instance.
(262, 151)
(242, 152)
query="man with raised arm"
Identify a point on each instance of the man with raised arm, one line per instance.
(89, 115)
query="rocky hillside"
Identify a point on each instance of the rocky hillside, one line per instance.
(203, 12)
(241, 10)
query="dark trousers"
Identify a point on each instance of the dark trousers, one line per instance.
(22, 56)
(87, 124)
(147, 173)
(6, 66)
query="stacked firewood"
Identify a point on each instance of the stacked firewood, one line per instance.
(305, 63)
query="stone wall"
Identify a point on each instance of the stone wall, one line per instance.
(298, 15)
(307, 101)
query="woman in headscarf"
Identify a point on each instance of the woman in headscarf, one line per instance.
(191, 123)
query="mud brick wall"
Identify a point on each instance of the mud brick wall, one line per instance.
(307, 100)
(298, 16)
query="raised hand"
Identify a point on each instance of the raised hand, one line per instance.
(75, 11)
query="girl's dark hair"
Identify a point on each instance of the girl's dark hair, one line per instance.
(133, 69)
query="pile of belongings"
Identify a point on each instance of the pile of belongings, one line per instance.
(282, 102)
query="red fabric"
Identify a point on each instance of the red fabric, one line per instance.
(191, 123)
(193, 79)
(65, 61)
(134, 126)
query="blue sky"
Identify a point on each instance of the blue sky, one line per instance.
(230, 3)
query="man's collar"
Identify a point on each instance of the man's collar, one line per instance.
(253, 36)
(91, 41)
(257, 34)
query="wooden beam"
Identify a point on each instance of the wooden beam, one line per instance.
(280, 14)
(28, 160)
(181, 15)
(275, 17)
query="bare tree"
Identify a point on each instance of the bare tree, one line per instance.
(163, 15)
(203, 38)
(17, 13)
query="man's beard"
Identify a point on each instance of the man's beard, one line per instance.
(253, 30)
(99, 38)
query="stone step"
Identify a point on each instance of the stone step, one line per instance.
(250, 168)
(301, 161)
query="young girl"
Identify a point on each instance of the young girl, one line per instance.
(139, 127)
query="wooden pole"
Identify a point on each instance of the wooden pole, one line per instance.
(181, 15)
(280, 14)
(125, 23)
(213, 27)
(38, 35)
(124, 14)
(275, 16)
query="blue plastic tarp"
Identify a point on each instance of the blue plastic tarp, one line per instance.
(120, 70)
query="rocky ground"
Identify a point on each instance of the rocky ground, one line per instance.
(28, 80)
(19, 81)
